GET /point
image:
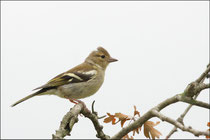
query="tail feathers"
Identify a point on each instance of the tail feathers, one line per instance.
(25, 98)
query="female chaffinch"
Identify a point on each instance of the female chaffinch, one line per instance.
(79, 82)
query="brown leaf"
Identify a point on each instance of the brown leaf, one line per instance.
(127, 137)
(137, 130)
(136, 112)
(207, 137)
(110, 118)
(122, 122)
(208, 124)
(149, 130)
(122, 117)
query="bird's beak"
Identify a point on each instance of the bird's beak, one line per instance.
(112, 60)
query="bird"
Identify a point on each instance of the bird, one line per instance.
(79, 82)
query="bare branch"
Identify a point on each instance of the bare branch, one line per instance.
(68, 122)
(180, 119)
(171, 132)
(167, 102)
(94, 118)
(204, 74)
(179, 125)
(193, 102)
(96, 113)
(201, 86)
(195, 87)
(71, 118)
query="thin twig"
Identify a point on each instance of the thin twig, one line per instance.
(96, 113)
(180, 119)
(204, 74)
(179, 125)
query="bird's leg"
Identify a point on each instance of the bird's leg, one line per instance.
(73, 101)
(76, 101)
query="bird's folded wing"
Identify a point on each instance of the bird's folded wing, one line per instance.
(69, 77)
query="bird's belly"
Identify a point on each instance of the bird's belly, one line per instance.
(79, 90)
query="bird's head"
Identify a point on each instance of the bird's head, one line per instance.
(100, 58)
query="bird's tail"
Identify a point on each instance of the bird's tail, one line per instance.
(25, 98)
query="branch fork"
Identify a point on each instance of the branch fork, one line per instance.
(71, 118)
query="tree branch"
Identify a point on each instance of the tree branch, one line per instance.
(71, 118)
(68, 122)
(179, 125)
(198, 85)
(94, 118)
(201, 87)
(180, 119)
(204, 74)
(193, 102)
(139, 122)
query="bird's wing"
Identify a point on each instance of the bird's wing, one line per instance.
(74, 75)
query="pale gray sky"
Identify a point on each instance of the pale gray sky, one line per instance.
(161, 47)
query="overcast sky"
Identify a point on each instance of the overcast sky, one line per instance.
(161, 47)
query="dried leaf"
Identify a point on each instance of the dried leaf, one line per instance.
(122, 122)
(149, 130)
(208, 124)
(137, 130)
(207, 137)
(136, 112)
(127, 137)
(110, 118)
(122, 117)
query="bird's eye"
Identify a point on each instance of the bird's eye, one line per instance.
(102, 56)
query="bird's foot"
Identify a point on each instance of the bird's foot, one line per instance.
(73, 101)
(76, 101)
